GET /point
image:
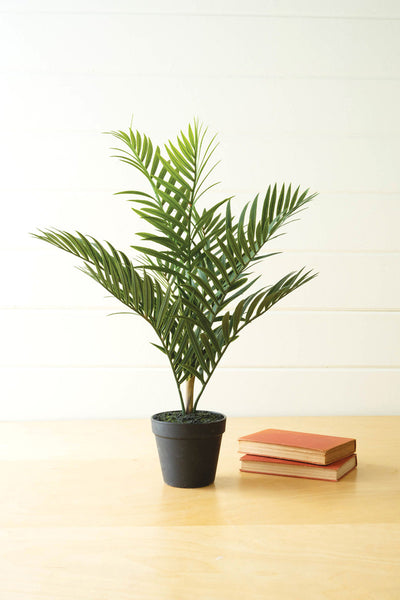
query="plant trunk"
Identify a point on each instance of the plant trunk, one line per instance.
(189, 394)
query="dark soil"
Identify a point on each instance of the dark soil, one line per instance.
(199, 416)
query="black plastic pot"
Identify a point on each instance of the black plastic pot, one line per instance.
(188, 451)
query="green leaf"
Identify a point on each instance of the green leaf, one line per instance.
(251, 226)
(156, 161)
(163, 310)
(195, 293)
(180, 163)
(159, 347)
(226, 326)
(174, 172)
(228, 255)
(220, 267)
(194, 262)
(218, 284)
(134, 193)
(271, 212)
(147, 295)
(234, 247)
(237, 315)
(191, 137)
(228, 214)
(281, 199)
(198, 352)
(207, 346)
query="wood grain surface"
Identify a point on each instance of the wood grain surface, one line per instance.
(84, 515)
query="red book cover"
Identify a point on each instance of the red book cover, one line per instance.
(296, 445)
(290, 468)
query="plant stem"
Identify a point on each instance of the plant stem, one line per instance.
(189, 394)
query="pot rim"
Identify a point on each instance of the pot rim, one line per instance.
(188, 430)
(211, 412)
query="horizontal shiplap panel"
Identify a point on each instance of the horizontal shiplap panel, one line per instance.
(307, 107)
(279, 339)
(65, 160)
(289, 8)
(37, 394)
(159, 44)
(346, 281)
(334, 222)
(336, 164)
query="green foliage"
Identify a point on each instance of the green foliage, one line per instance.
(192, 277)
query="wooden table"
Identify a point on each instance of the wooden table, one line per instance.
(84, 515)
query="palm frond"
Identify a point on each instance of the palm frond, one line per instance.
(192, 265)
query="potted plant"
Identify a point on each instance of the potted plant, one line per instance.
(190, 281)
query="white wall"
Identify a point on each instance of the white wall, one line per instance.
(307, 92)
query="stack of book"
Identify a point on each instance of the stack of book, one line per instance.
(297, 454)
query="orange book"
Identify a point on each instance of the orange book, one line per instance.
(295, 445)
(291, 468)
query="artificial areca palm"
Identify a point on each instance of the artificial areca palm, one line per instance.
(191, 278)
